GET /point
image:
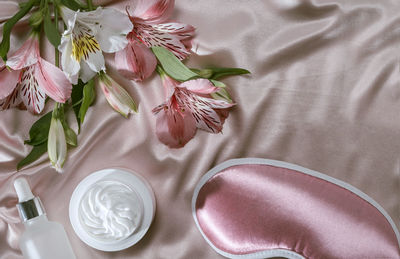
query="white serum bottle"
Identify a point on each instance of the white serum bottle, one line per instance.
(42, 239)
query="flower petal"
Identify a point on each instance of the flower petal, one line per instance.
(172, 36)
(95, 61)
(184, 32)
(69, 64)
(153, 11)
(84, 44)
(216, 104)
(25, 56)
(201, 86)
(12, 100)
(202, 110)
(112, 34)
(91, 17)
(53, 81)
(135, 62)
(8, 81)
(169, 84)
(223, 114)
(30, 91)
(218, 114)
(175, 129)
(86, 73)
(117, 96)
(68, 16)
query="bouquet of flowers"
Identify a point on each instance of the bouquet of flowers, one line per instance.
(143, 41)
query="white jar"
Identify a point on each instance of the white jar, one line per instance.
(112, 209)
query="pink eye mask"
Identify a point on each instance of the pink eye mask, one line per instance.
(259, 208)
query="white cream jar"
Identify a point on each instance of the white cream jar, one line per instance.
(112, 209)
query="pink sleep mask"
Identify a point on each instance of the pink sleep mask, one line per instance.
(259, 208)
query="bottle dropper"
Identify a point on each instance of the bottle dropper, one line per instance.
(29, 206)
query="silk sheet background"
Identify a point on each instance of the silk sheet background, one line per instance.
(324, 93)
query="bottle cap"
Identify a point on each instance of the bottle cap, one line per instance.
(29, 206)
(23, 190)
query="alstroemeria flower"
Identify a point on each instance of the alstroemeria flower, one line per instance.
(57, 145)
(87, 35)
(117, 96)
(30, 79)
(136, 61)
(187, 108)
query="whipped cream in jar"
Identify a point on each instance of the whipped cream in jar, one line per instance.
(112, 209)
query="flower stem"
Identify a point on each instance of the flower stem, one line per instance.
(160, 71)
(55, 111)
(42, 4)
(90, 5)
(56, 52)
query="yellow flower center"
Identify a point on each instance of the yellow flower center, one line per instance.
(83, 44)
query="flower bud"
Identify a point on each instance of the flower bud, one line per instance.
(117, 96)
(36, 19)
(56, 144)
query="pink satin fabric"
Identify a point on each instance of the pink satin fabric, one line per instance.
(324, 93)
(249, 208)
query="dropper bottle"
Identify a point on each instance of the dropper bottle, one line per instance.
(42, 239)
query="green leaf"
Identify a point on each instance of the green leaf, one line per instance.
(51, 31)
(23, 4)
(197, 71)
(36, 153)
(39, 130)
(172, 65)
(70, 136)
(88, 98)
(222, 94)
(218, 72)
(73, 4)
(203, 73)
(5, 43)
(76, 97)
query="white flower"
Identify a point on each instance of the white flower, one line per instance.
(86, 36)
(57, 145)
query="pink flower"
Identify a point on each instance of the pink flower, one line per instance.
(136, 61)
(187, 108)
(30, 79)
